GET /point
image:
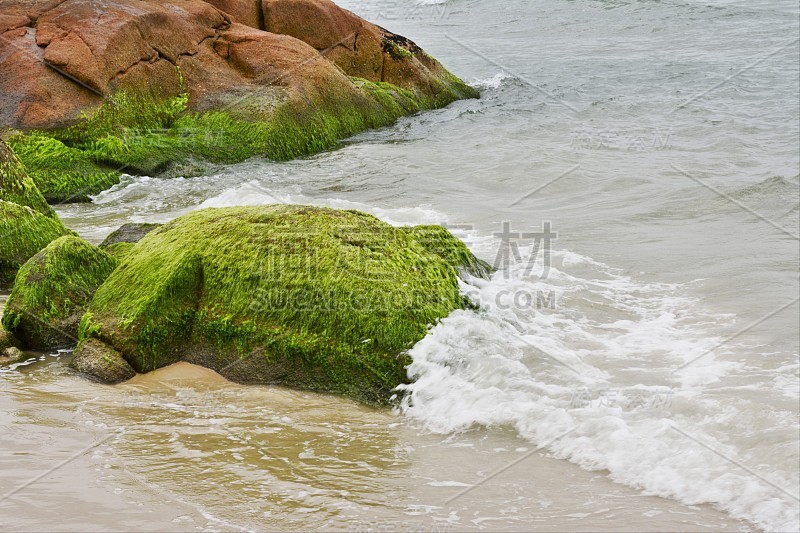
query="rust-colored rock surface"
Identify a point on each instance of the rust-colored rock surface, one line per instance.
(59, 58)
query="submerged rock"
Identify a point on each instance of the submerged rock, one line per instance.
(12, 355)
(129, 233)
(7, 340)
(121, 242)
(53, 290)
(301, 296)
(101, 362)
(27, 223)
(140, 86)
(9, 348)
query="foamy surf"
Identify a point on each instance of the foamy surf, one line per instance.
(491, 83)
(598, 381)
(254, 193)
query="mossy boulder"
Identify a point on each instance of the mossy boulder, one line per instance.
(63, 173)
(439, 241)
(53, 290)
(16, 186)
(23, 232)
(300, 296)
(120, 250)
(27, 223)
(161, 84)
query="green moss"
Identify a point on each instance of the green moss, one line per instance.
(27, 223)
(52, 291)
(120, 250)
(447, 88)
(143, 135)
(438, 240)
(307, 297)
(290, 132)
(128, 133)
(395, 101)
(395, 50)
(16, 186)
(86, 329)
(123, 113)
(23, 232)
(62, 173)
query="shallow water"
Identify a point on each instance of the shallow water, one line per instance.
(653, 362)
(183, 449)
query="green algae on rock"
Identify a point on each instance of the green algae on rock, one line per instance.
(53, 290)
(145, 135)
(62, 173)
(27, 223)
(16, 186)
(438, 240)
(169, 85)
(306, 297)
(120, 250)
(23, 232)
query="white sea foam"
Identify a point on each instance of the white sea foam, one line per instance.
(491, 83)
(602, 395)
(254, 193)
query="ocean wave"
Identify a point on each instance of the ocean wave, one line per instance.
(600, 381)
(491, 83)
(773, 187)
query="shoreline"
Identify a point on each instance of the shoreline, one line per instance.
(427, 469)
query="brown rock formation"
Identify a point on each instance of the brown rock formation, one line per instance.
(61, 57)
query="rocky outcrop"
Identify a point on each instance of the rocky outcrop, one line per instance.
(247, 12)
(301, 296)
(63, 57)
(53, 290)
(358, 47)
(150, 87)
(27, 223)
